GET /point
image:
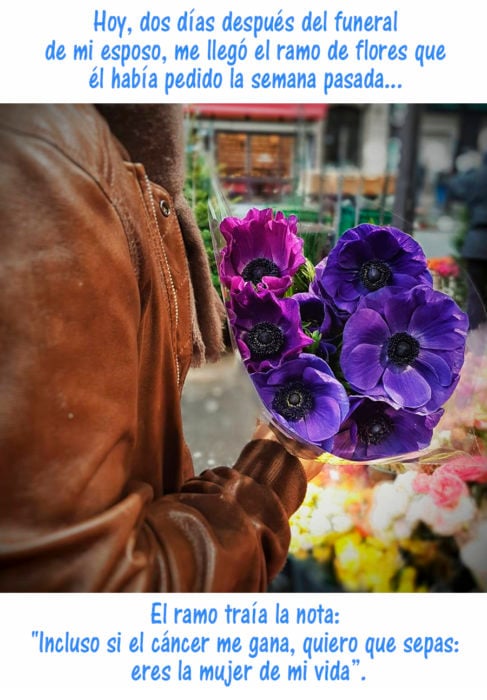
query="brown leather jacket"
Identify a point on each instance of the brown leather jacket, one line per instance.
(97, 491)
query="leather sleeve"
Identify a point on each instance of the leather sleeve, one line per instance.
(229, 527)
(74, 514)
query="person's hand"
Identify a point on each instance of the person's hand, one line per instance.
(306, 455)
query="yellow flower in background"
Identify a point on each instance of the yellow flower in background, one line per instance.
(407, 581)
(331, 528)
(366, 564)
(325, 515)
(322, 552)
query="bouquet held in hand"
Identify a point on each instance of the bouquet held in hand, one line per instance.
(354, 356)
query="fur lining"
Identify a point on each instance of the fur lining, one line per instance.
(154, 136)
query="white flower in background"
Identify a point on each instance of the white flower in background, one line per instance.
(442, 521)
(389, 510)
(330, 514)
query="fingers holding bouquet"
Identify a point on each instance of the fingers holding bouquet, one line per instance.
(308, 455)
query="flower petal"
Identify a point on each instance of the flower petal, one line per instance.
(365, 326)
(384, 244)
(323, 422)
(436, 364)
(353, 253)
(407, 387)
(437, 321)
(362, 366)
(396, 312)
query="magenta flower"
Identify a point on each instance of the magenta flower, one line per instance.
(406, 347)
(267, 329)
(261, 248)
(376, 430)
(305, 398)
(367, 258)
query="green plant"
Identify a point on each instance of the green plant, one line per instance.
(197, 191)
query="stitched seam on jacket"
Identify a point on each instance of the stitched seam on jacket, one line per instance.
(169, 273)
(157, 245)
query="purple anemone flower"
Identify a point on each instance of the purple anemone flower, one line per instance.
(312, 310)
(336, 317)
(261, 248)
(267, 329)
(406, 347)
(317, 316)
(377, 430)
(367, 258)
(305, 398)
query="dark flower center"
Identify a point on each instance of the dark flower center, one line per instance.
(375, 430)
(375, 274)
(293, 401)
(402, 349)
(256, 269)
(265, 339)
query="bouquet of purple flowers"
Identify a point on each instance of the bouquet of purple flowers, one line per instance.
(354, 356)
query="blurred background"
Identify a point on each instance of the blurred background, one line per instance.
(336, 166)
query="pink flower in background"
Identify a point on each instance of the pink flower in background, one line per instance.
(421, 483)
(444, 487)
(468, 468)
(445, 267)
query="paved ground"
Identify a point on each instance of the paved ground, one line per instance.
(219, 412)
(436, 243)
(219, 408)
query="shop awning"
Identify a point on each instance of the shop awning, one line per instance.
(274, 112)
